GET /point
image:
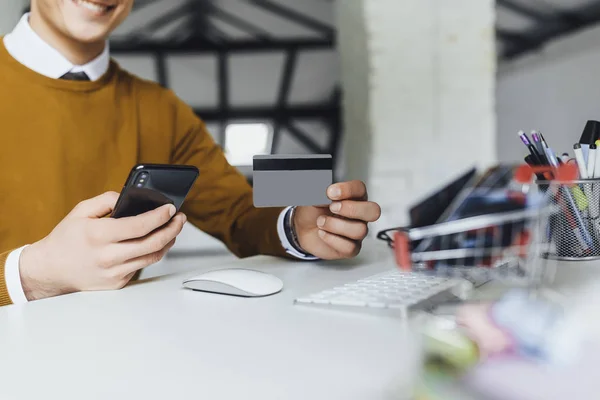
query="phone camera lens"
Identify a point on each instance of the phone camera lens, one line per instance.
(141, 179)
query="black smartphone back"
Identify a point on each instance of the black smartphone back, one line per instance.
(150, 186)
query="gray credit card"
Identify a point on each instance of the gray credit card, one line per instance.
(292, 180)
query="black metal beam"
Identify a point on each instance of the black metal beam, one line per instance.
(335, 124)
(284, 93)
(223, 77)
(295, 16)
(164, 20)
(519, 7)
(216, 34)
(535, 38)
(196, 46)
(314, 111)
(138, 5)
(239, 23)
(303, 138)
(200, 24)
(513, 38)
(524, 10)
(162, 71)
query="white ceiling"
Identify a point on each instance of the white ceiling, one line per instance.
(254, 78)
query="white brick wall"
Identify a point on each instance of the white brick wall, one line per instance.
(419, 95)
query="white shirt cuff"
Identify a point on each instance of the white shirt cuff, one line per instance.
(289, 248)
(13, 277)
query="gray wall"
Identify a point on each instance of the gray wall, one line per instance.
(10, 12)
(555, 90)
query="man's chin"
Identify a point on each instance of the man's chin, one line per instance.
(88, 36)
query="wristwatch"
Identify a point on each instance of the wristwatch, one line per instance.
(290, 231)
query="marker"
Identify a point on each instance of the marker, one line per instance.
(580, 161)
(590, 134)
(536, 156)
(580, 234)
(580, 199)
(597, 168)
(539, 146)
(591, 164)
(570, 209)
(565, 158)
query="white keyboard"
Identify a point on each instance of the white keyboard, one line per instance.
(393, 290)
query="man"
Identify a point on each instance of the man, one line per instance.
(74, 123)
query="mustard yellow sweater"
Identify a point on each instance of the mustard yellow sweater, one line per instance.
(66, 141)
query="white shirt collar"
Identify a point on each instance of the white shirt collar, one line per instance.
(29, 49)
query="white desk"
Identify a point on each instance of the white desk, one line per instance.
(156, 340)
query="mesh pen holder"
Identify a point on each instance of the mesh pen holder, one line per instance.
(574, 231)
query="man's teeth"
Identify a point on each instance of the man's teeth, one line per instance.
(92, 6)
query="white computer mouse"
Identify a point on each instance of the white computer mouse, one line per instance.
(235, 281)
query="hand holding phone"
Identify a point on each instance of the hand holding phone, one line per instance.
(86, 251)
(150, 186)
(105, 253)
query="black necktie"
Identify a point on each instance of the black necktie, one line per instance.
(75, 76)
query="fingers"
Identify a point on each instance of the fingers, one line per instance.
(129, 268)
(342, 227)
(359, 210)
(344, 248)
(140, 225)
(355, 190)
(152, 243)
(96, 207)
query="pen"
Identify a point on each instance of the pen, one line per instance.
(580, 199)
(544, 143)
(536, 156)
(580, 161)
(577, 224)
(591, 164)
(573, 224)
(539, 146)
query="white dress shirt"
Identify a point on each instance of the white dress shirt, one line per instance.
(32, 51)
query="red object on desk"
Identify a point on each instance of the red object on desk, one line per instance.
(402, 250)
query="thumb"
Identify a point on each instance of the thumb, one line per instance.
(96, 207)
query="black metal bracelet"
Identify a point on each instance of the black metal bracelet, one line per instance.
(290, 231)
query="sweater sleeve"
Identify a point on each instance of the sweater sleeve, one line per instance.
(221, 201)
(4, 297)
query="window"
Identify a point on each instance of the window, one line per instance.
(243, 141)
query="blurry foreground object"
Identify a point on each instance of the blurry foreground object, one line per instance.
(550, 338)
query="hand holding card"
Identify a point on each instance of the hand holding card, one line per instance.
(337, 231)
(330, 219)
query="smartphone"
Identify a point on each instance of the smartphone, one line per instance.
(150, 186)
